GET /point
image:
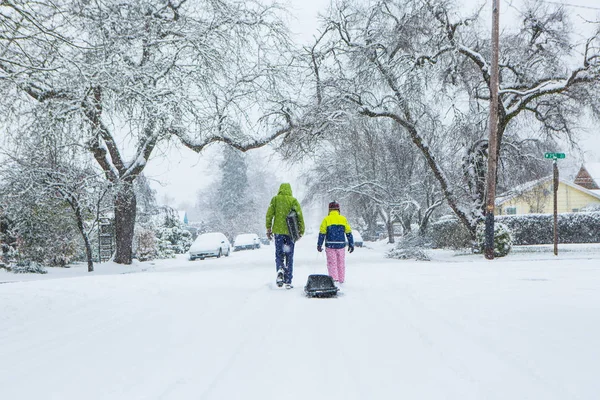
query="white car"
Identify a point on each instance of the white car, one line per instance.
(246, 241)
(214, 244)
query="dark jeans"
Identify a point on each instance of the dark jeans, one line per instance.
(284, 256)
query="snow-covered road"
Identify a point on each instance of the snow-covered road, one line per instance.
(524, 327)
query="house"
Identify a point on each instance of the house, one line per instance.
(183, 218)
(589, 176)
(536, 197)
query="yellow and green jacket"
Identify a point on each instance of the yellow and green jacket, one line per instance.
(334, 231)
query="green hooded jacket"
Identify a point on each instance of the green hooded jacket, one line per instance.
(280, 207)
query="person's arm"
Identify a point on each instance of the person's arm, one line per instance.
(269, 218)
(322, 233)
(349, 236)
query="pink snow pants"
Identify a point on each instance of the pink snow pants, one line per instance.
(336, 263)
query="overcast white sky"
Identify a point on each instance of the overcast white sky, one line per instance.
(179, 174)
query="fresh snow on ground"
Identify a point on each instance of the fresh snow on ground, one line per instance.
(458, 327)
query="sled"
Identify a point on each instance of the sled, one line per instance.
(292, 225)
(320, 286)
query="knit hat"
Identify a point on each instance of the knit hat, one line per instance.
(334, 206)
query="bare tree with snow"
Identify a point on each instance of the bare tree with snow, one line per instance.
(411, 62)
(132, 74)
(548, 79)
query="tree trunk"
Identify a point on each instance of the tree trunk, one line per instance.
(125, 211)
(74, 203)
(86, 240)
(424, 222)
(406, 223)
(474, 170)
(390, 229)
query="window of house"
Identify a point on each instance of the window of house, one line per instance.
(576, 210)
(511, 210)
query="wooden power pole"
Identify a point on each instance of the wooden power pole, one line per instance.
(493, 135)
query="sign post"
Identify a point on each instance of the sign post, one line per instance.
(554, 157)
(555, 173)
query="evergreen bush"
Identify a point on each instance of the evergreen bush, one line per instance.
(28, 267)
(173, 240)
(502, 239)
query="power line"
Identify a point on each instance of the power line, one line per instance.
(570, 5)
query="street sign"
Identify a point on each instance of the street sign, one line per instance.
(554, 156)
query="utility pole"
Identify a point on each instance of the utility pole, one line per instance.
(493, 136)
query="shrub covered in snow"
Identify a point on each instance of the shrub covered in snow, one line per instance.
(410, 253)
(448, 232)
(52, 250)
(146, 246)
(539, 228)
(164, 249)
(415, 239)
(502, 239)
(411, 246)
(173, 240)
(28, 267)
(591, 208)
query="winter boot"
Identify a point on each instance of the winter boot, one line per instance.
(279, 277)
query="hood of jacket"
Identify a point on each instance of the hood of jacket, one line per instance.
(280, 206)
(285, 189)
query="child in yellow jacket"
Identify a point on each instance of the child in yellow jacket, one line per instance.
(334, 231)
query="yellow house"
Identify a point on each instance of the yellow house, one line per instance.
(537, 198)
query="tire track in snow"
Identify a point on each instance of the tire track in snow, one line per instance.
(229, 348)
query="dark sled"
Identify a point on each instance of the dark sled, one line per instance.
(320, 286)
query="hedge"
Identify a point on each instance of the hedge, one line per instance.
(582, 227)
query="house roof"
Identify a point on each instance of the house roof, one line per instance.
(594, 170)
(182, 216)
(519, 190)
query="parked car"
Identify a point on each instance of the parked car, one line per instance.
(358, 240)
(246, 241)
(214, 244)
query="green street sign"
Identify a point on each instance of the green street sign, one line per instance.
(554, 156)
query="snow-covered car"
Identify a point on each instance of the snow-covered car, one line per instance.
(214, 244)
(358, 240)
(246, 241)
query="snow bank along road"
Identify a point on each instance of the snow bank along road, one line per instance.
(219, 329)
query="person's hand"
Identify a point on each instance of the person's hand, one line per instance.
(269, 234)
(319, 249)
(350, 249)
